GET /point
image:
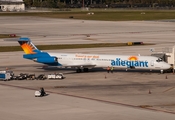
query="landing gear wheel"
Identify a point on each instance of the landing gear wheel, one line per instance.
(85, 69)
(78, 70)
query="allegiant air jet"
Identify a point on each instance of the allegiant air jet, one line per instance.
(87, 61)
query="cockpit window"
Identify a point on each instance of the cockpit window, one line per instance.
(159, 60)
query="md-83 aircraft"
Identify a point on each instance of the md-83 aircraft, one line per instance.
(84, 62)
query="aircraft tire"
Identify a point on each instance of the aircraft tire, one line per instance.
(85, 69)
(78, 70)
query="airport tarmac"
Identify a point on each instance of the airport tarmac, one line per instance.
(93, 95)
(96, 94)
(70, 31)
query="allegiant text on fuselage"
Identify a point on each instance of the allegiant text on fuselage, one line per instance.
(128, 63)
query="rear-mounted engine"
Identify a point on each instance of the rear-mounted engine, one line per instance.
(46, 60)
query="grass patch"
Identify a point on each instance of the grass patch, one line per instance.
(8, 36)
(102, 15)
(53, 47)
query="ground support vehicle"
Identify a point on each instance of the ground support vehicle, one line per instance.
(41, 77)
(56, 76)
(6, 75)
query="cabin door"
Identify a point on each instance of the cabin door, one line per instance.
(152, 62)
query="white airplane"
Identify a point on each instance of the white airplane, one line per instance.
(87, 61)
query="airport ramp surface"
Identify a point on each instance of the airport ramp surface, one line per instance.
(20, 104)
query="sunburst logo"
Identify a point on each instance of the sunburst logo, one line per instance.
(133, 58)
(28, 48)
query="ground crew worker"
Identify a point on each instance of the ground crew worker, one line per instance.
(112, 68)
(42, 91)
(108, 68)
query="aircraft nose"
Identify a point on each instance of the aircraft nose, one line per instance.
(167, 66)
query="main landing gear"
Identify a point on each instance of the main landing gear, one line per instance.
(80, 70)
(161, 71)
(85, 69)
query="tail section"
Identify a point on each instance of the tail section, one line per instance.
(32, 53)
(27, 46)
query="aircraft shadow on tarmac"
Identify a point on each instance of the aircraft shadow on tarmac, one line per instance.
(93, 70)
(73, 70)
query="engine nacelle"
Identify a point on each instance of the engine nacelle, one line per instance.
(47, 60)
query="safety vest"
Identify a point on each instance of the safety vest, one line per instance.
(112, 68)
(108, 68)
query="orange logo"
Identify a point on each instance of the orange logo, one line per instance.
(133, 58)
(28, 49)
